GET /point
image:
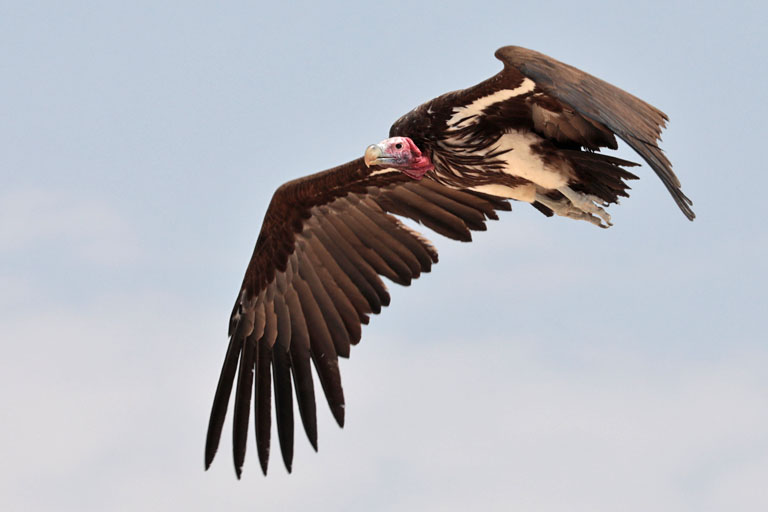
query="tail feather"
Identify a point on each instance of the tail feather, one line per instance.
(601, 175)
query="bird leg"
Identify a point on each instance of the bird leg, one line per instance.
(565, 208)
(587, 203)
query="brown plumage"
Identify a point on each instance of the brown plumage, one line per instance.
(315, 274)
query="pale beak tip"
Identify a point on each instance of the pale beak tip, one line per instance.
(372, 153)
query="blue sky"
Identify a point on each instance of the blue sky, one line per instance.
(549, 365)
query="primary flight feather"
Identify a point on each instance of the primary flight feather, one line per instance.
(531, 133)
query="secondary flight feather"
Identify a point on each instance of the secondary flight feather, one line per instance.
(532, 133)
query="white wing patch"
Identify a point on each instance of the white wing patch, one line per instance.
(467, 112)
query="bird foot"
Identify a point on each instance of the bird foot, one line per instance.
(565, 208)
(589, 204)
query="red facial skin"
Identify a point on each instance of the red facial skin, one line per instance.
(399, 153)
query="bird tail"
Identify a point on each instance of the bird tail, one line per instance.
(601, 175)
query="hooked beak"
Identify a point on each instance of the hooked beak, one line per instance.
(375, 155)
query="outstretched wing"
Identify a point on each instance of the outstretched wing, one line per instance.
(635, 121)
(312, 282)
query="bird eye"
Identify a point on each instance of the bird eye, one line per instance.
(399, 145)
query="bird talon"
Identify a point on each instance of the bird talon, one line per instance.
(588, 204)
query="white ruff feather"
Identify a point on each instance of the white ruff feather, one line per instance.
(476, 108)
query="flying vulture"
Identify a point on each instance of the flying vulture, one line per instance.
(531, 133)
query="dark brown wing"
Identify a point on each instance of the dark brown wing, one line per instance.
(313, 280)
(604, 106)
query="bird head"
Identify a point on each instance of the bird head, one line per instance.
(399, 153)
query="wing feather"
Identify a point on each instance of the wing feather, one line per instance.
(473, 219)
(327, 307)
(401, 241)
(379, 242)
(404, 202)
(242, 404)
(349, 228)
(350, 284)
(263, 401)
(281, 363)
(300, 367)
(488, 205)
(353, 265)
(342, 303)
(322, 349)
(223, 392)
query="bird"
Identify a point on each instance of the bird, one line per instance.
(532, 133)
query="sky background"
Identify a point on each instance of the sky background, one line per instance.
(547, 366)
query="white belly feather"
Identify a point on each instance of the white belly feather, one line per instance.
(522, 161)
(525, 192)
(519, 159)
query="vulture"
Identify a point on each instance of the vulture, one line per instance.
(532, 133)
